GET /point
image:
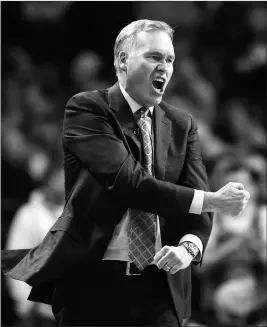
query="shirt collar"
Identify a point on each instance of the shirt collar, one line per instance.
(132, 103)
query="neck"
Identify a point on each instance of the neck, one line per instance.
(121, 80)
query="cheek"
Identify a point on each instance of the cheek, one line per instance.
(142, 73)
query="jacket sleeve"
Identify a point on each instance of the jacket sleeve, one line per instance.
(93, 135)
(194, 176)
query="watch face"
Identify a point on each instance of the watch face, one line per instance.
(191, 248)
(186, 245)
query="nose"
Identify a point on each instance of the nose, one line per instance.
(162, 66)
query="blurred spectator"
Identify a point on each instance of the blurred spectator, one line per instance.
(189, 84)
(256, 162)
(234, 268)
(85, 72)
(29, 226)
(36, 11)
(32, 102)
(255, 56)
(184, 13)
(244, 128)
(96, 33)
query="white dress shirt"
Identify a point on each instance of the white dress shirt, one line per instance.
(118, 248)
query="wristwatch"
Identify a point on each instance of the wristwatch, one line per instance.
(191, 248)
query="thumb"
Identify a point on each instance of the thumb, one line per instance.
(238, 186)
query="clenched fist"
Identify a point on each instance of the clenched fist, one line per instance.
(172, 258)
(231, 200)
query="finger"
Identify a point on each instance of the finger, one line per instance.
(160, 254)
(169, 263)
(246, 195)
(173, 263)
(167, 267)
(175, 268)
(239, 186)
(168, 258)
(163, 261)
(238, 193)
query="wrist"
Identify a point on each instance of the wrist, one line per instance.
(209, 202)
(191, 248)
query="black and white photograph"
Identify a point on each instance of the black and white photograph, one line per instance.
(133, 163)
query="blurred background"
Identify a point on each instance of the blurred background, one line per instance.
(52, 50)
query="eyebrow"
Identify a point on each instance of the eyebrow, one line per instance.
(161, 53)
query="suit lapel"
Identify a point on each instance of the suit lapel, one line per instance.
(125, 117)
(162, 132)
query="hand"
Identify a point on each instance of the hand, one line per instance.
(230, 200)
(173, 257)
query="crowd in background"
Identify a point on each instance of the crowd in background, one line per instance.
(52, 50)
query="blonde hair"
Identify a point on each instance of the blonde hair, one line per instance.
(127, 36)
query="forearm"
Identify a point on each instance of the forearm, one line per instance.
(133, 186)
(199, 222)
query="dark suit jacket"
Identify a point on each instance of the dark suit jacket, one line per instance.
(104, 177)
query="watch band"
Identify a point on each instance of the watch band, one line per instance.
(191, 248)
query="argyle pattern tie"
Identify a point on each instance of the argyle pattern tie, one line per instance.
(142, 236)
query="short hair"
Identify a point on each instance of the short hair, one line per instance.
(127, 36)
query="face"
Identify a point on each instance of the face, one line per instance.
(149, 67)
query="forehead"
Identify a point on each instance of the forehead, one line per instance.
(154, 40)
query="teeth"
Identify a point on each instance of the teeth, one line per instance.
(159, 79)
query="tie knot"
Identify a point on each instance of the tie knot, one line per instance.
(144, 112)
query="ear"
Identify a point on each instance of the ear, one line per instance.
(123, 60)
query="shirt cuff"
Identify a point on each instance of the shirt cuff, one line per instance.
(197, 202)
(197, 241)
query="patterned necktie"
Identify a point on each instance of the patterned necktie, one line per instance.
(142, 236)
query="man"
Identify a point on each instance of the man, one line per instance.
(137, 199)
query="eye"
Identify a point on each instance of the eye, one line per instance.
(155, 57)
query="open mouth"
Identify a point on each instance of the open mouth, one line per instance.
(158, 84)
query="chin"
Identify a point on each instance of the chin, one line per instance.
(158, 100)
(152, 100)
(152, 103)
